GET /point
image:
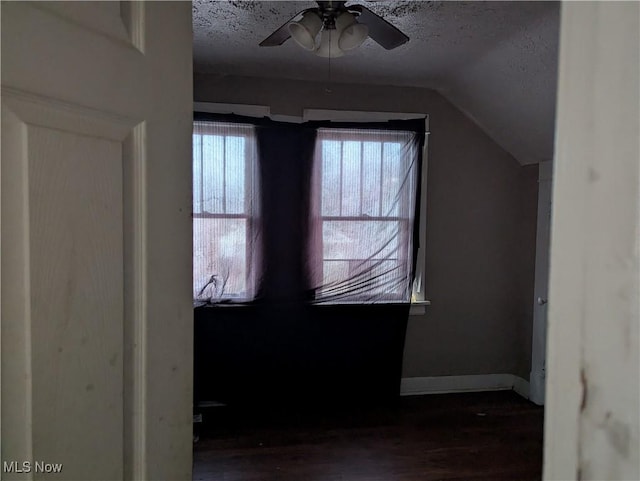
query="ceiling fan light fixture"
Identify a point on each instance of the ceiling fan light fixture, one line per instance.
(329, 48)
(331, 38)
(305, 31)
(353, 36)
(355, 23)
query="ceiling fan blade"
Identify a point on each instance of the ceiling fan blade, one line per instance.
(379, 29)
(282, 34)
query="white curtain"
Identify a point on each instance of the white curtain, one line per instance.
(354, 227)
(365, 183)
(225, 209)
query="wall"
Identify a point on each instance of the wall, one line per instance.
(480, 232)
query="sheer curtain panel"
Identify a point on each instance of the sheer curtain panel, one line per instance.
(365, 185)
(225, 212)
(314, 213)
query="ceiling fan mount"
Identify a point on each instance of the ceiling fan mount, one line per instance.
(341, 27)
(329, 11)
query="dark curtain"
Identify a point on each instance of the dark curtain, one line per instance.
(285, 154)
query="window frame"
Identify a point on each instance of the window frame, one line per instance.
(419, 301)
(403, 242)
(249, 217)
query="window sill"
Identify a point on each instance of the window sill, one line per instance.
(419, 308)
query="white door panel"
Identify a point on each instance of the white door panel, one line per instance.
(592, 420)
(75, 187)
(96, 239)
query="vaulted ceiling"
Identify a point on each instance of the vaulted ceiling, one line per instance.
(496, 61)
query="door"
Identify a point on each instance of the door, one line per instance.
(592, 420)
(96, 316)
(539, 335)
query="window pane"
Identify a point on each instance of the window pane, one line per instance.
(367, 245)
(197, 173)
(360, 239)
(234, 174)
(334, 271)
(370, 279)
(371, 188)
(351, 179)
(226, 198)
(219, 256)
(331, 168)
(392, 175)
(213, 173)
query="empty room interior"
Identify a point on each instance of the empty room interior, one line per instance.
(341, 346)
(320, 240)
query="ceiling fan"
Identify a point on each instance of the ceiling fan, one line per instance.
(343, 27)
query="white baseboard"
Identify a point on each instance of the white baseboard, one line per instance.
(413, 386)
(521, 386)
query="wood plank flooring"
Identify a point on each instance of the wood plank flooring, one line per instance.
(452, 437)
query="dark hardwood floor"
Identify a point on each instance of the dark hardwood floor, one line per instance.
(453, 437)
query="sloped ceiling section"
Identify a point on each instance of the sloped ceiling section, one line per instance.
(496, 61)
(510, 90)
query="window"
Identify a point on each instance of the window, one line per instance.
(367, 201)
(224, 205)
(336, 225)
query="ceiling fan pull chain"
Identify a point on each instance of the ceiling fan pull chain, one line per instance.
(330, 35)
(328, 89)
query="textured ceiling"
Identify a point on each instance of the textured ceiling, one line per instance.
(496, 61)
